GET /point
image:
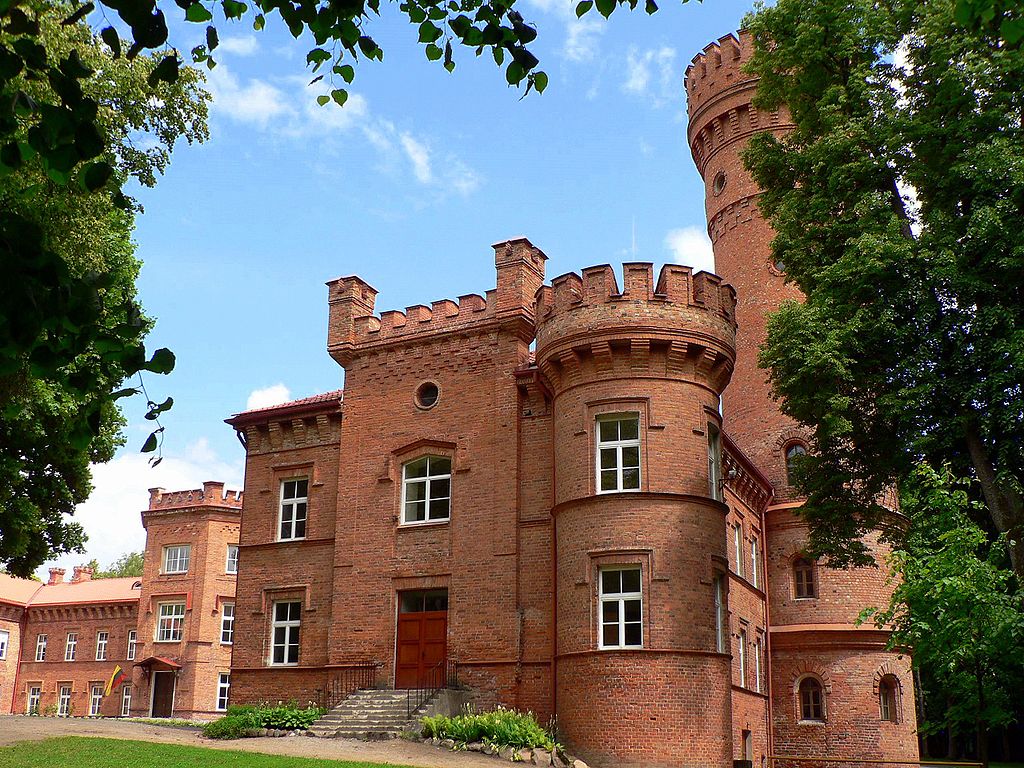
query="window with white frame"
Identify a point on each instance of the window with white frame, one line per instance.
(743, 658)
(294, 502)
(5, 638)
(223, 688)
(71, 648)
(35, 695)
(714, 462)
(227, 623)
(64, 701)
(176, 558)
(95, 700)
(170, 622)
(232, 563)
(737, 539)
(618, 452)
(426, 490)
(757, 664)
(40, 647)
(101, 645)
(755, 568)
(126, 701)
(285, 633)
(621, 607)
(720, 616)
(132, 642)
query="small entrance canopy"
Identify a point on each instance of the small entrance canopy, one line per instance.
(157, 664)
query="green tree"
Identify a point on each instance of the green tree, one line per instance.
(58, 411)
(954, 603)
(128, 564)
(910, 344)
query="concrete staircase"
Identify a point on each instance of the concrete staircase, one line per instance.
(367, 714)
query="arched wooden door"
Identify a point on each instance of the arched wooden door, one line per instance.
(422, 637)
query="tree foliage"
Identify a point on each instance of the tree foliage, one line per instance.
(71, 327)
(954, 603)
(910, 344)
(128, 564)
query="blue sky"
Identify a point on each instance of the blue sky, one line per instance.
(406, 186)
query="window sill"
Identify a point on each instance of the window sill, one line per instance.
(167, 642)
(620, 648)
(289, 541)
(283, 664)
(618, 491)
(811, 722)
(424, 523)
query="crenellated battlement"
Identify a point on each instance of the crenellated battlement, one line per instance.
(353, 325)
(718, 67)
(211, 494)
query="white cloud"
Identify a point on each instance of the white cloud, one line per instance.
(419, 156)
(111, 516)
(582, 35)
(691, 246)
(256, 101)
(264, 398)
(240, 46)
(653, 75)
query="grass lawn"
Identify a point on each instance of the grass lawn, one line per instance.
(75, 751)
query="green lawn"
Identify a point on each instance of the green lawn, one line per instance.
(78, 752)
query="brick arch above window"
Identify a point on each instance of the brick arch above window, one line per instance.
(393, 462)
(888, 669)
(809, 669)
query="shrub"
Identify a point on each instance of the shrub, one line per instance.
(502, 727)
(243, 720)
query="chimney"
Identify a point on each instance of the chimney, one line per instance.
(81, 573)
(56, 577)
(520, 266)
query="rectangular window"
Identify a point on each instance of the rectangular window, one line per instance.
(5, 638)
(101, 646)
(427, 490)
(285, 633)
(176, 558)
(35, 694)
(618, 453)
(132, 641)
(95, 700)
(755, 569)
(621, 608)
(714, 462)
(737, 536)
(72, 646)
(232, 564)
(720, 623)
(126, 701)
(64, 701)
(40, 647)
(743, 658)
(227, 623)
(293, 509)
(757, 665)
(170, 623)
(223, 687)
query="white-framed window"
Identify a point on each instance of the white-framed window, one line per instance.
(755, 565)
(40, 647)
(715, 462)
(426, 490)
(618, 452)
(720, 616)
(170, 622)
(223, 688)
(95, 700)
(64, 701)
(294, 502)
(132, 643)
(35, 695)
(285, 633)
(737, 538)
(743, 658)
(621, 607)
(232, 564)
(126, 701)
(71, 647)
(227, 623)
(101, 645)
(757, 664)
(176, 558)
(5, 638)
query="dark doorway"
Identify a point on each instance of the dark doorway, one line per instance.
(422, 646)
(163, 694)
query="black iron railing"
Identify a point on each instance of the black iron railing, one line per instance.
(444, 674)
(341, 682)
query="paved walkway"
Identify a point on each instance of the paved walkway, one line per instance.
(399, 751)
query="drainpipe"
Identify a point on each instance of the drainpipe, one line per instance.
(768, 713)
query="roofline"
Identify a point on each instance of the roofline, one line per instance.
(87, 602)
(748, 465)
(259, 415)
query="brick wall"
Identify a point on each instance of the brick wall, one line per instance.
(10, 622)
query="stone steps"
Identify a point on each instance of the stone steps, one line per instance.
(366, 714)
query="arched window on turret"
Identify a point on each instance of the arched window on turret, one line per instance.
(805, 582)
(793, 454)
(812, 700)
(888, 698)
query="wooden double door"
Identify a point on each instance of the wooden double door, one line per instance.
(422, 638)
(163, 694)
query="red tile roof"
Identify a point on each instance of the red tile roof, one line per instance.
(17, 591)
(32, 593)
(296, 405)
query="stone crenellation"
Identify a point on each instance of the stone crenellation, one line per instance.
(212, 493)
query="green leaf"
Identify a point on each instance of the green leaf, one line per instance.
(259, 22)
(161, 362)
(78, 15)
(150, 445)
(1012, 30)
(322, 99)
(651, 7)
(166, 70)
(198, 13)
(605, 7)
(346, 72)
(540, 81)
(234, 9)
(340, 96)
(212, 39)
(514, 73)
(317, 57)
(97, 175)
(583, 7)
(429, 32)
(112, 39)
(434, 52)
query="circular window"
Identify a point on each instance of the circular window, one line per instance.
(427, 394)
(718, 184)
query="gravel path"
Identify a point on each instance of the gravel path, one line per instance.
(399, 751)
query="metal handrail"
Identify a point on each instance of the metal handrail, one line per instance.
(444, 674)
(340, 683)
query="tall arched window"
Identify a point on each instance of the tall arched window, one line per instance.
(812, 700)
(887, 698)
(804, 578)
(793, 454)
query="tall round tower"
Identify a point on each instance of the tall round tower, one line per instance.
(634, 378)
(835, 690)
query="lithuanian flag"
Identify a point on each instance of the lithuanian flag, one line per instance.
(115, 680)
